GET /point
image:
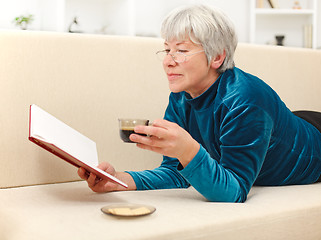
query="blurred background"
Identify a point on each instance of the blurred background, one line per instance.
(256, 21)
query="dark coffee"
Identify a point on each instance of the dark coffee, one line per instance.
(125, 133)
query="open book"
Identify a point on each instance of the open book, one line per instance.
(65, 142)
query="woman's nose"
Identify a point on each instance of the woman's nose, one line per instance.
(169, 60)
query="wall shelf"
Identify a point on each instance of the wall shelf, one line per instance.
(261, 11)
(299, 26)
(143, 17)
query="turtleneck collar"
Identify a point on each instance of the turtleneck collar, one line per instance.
(204, 100)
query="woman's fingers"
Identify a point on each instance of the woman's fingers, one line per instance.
(161, 129)
(97, 184)
(91, 180)
(168, 139)
(163, 123)
(151, 131)
(82, 173)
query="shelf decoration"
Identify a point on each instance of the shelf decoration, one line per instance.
(274, 3)
(296, 5)
(260, 3)
(308, 29)
(74, 25)
(279, 40)
(23, 21)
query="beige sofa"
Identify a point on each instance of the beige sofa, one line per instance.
(89, 81)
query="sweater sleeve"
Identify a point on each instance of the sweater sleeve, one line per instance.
(166, 176)
(244, 140)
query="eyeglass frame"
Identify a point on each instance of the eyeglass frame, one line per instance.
(173, 57)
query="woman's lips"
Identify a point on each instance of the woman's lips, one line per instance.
(173, 76)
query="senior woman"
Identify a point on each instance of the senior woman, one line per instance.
(224, 130)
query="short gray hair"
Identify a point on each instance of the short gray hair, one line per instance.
(206, 26)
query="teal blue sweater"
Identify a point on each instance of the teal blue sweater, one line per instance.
(247, 137)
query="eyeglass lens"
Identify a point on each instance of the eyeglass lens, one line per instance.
(176, 56)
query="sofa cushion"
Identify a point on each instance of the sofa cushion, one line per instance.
(72, 211)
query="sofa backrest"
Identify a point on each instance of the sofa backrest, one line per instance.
(89, 81)
(294, 73)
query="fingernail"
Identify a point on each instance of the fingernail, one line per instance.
(132, 137)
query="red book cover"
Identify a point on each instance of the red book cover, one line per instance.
(65, 142)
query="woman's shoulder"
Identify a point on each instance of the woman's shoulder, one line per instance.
(242, 87)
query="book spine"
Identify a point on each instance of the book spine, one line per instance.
(260, 3)
(30, 121)
(307, 36)
(274, 3)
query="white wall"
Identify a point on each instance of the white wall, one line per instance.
(319, 25)
(14, 8)
(238, 11)
(149, 14)
(111, 16)
(93, 15)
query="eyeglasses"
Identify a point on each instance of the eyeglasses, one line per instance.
(178, 57)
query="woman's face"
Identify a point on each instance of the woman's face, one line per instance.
(193, 76)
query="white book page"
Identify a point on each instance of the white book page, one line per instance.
(50, 129)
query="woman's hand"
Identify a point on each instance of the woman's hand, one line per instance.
(168, 139)
(101, 185)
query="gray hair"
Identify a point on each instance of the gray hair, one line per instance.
(205, 26)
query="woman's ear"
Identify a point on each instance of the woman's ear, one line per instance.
(218, 60)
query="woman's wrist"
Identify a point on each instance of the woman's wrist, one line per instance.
(189, 153)
(126, 178)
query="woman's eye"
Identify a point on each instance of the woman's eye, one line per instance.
(167, 51)
(182, 51)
